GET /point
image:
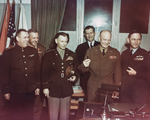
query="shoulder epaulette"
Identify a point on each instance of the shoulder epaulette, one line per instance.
(49, 50)
(10, 47)
(42, 45)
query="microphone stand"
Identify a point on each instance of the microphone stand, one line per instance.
(105, 115)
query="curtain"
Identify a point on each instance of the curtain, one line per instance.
(46, 17)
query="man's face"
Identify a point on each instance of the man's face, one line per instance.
(134, 40)
(61, 42)
(89, 34)
(33, 38)
(105, 39)
(23, 39)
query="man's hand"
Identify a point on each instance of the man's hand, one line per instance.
(131, 71)
(72, 78)
(86, 62)
(7, 96)
(46, 92)
(115, 95)
(37, 91)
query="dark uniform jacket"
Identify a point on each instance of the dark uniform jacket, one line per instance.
(41, 51)
(80, 51)
(20, 70)
(135, 85)
(103, 69)
(54, 72)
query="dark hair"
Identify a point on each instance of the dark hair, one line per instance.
(88, 27)
(134, 31)
(63, 34)
(32, 30)
(19, 31)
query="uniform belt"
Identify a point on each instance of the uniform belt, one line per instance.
(62, 75)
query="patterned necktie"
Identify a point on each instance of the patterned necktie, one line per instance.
(103, 52)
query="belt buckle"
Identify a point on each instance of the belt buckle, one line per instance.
(62, 75)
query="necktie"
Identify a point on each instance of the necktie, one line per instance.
(103, 52)
(91, 45)
(61, 55)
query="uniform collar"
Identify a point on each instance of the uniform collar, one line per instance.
(101, 49)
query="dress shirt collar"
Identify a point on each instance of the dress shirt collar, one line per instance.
(101, 49)
(134, 50)
(89, 43)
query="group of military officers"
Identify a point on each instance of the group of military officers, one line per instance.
(29, 72)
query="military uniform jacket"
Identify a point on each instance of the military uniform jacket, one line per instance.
(139, 61)
(103, 69)
(41, 51)
(54, 72)
(20, 70)
(81, 50)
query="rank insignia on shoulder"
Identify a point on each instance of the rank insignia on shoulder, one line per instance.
(139, 58)
(113, 57)
(10, 47)
(32, 55)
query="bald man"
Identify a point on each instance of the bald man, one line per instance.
(104, 64)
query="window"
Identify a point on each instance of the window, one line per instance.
(69, 20)
(99, 14)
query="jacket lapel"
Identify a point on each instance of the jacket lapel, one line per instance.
(66, 54)
(97, 51)
(108, 53)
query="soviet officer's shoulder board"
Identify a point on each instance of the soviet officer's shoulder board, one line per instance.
(10, 47)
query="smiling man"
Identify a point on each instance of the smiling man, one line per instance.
(56, 78)
(20, 77)
(33, 42)
(89, 34)
(104, 64)
(135, 70)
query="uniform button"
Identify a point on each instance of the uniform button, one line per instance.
(22, 50)
(25, 74)
(25, 62)
(62, 63)
(62, 67)
(23, 55)
(62, 71)
(25, 68)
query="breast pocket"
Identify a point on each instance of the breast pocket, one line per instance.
(32, 61)
(16, 64)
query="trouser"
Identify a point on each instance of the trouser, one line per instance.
(38, 105)
(22, 106)
(59, 108)
(134, 91)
